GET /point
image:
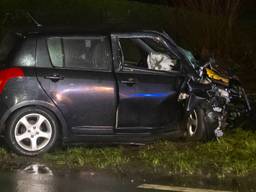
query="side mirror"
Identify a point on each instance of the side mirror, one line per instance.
(161, 62)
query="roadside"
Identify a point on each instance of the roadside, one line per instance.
(233, 155)
(229, 164)
(43, 178)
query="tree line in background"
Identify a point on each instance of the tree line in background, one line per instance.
(218, 27)
(217, 21)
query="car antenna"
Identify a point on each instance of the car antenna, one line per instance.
(34, 20)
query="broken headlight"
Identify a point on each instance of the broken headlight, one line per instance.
(225, 94)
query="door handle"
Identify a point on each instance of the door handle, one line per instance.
(129, 82)
(54, 77)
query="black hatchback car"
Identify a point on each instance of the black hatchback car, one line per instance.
(98, 87)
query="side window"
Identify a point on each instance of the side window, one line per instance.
(148, 53)
(88, 52)
(156, 45)
(80, 52)
(56, 51)
(25, 57)
(160, 58)
(42, 55)
(133, 53)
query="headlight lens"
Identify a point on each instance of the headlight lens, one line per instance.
(223, 93)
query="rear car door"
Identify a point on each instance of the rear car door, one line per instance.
(76, 73)
(147, 97)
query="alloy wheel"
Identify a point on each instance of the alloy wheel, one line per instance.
(33, 132)
(192, 123)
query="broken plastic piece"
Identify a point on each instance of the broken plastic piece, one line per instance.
(219, 133)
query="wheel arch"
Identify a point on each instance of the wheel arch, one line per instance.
(51, 107)
(193, 102)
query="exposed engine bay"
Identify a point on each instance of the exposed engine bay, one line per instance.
(224, 94)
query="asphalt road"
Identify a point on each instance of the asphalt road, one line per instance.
(40, 178)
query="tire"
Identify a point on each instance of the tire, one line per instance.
(198, 127)
(32, 131)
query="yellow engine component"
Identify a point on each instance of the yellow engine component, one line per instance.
(213, 75)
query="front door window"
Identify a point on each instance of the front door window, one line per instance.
(147, 53)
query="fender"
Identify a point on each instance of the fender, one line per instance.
(212, 117)
(49, 106)
(193, 101)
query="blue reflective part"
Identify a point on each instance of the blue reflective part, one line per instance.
(150, 95)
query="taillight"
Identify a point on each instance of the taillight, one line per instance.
(7, 74)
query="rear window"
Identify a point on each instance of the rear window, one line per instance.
(80, 52)
(7, 44)
(25, 56)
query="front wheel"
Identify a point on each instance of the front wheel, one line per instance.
(32, 131)
(198, 126)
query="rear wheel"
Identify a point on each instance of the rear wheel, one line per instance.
(198, 127)
(32, 131)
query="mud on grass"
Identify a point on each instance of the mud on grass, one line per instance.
(233, 155)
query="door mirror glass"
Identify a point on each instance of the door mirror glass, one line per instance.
(161, 62)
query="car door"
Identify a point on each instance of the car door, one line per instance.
(76, 73)
(147, 98)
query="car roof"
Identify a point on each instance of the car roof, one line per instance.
(76, 31)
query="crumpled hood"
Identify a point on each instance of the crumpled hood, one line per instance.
(215, 76)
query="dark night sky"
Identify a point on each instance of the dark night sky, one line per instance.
(246, 4)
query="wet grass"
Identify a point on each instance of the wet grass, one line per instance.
(87, 157)
(233, 155)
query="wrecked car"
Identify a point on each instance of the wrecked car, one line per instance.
(106, 87)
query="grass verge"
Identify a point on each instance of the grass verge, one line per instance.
(233, 155)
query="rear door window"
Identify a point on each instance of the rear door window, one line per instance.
(92, 53)
(56, 52)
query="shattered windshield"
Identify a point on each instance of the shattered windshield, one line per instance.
(188, 54)
(190, 57)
